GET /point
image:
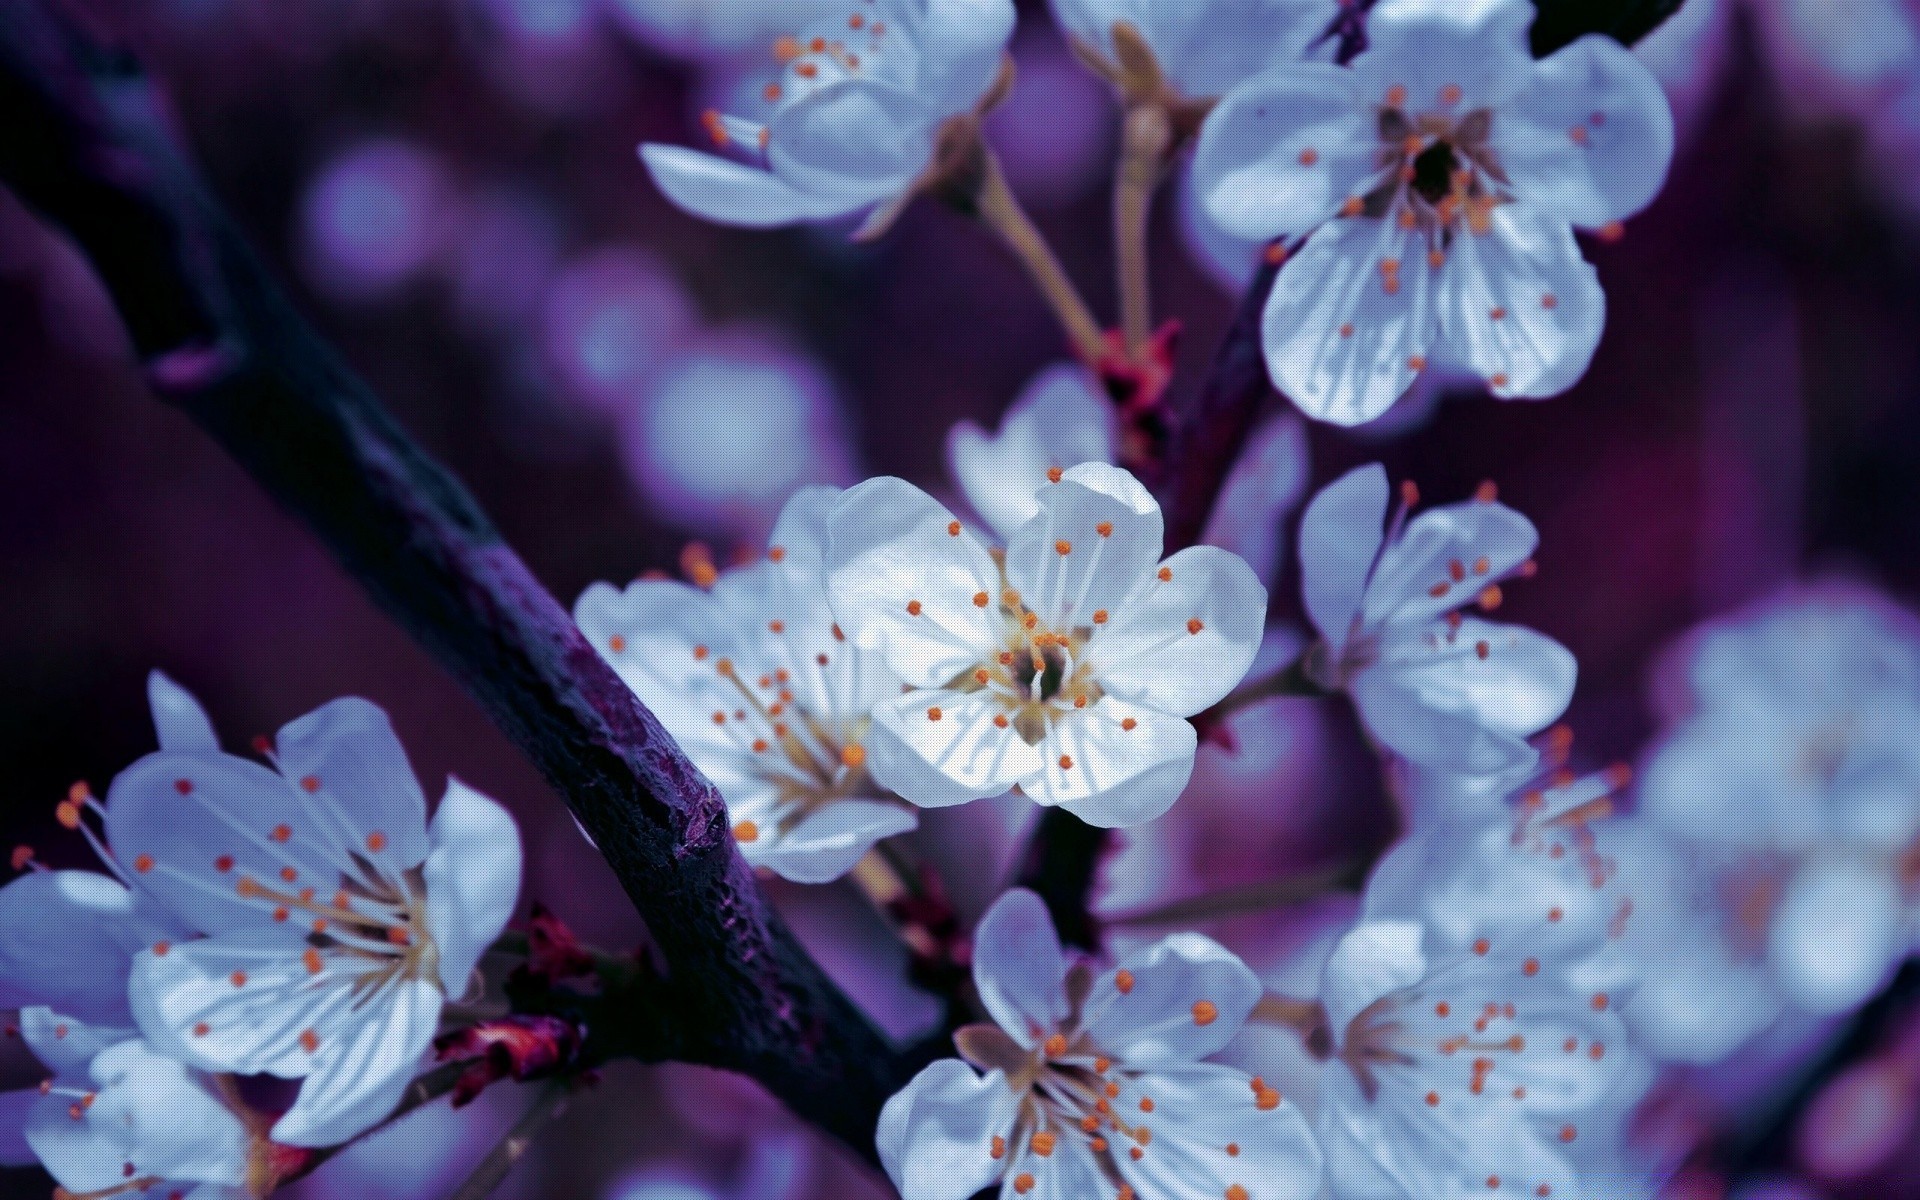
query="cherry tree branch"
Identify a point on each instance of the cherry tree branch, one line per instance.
(84, 140)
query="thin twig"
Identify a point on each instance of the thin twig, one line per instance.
(1264, 896)
(1147, 134)
(1000, 211)
(492, 1170)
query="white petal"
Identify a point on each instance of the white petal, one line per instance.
(1343, 337)
(1199, 1111)
(856, 140)
(1425, 46)
(893, 551)
(1281, 152)
(199, 822)
(1267, 480)
(239, 1002)
(346, 753)
(67, 940)
(801, 529)
(1373, 959)
(1181, 643)
(1019, 968)
(1454, 551)
(1519, 686)
(936, 1135)
(178, 719)
(472, 878)
(1590, 140)
(1836, 936)
(1057, 421)
(733, 194)
(1187, 996)
(1455, 742)
(1520, 307)
(1109, 774)
(63, 1044)
(961, 43)
(1340, 538)
(828, 840)
(1097, 572)
(960, 756)
(359, 1077)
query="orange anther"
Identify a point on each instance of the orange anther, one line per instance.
(160, 949)
(1063, 547)
(376, 841)
(202, 1029)
(238, 979)
(616, 643)
(1123, 980)
(398, 935)
(913, 608)
(1450, 94)
(288, 874)
(853, 755)
(997, 1148)
(1054, 474)
(1066, 762)
(1352, 206)
(746, 831)
(1205, 1012)
(953, 529)
(1396, 96)
(142, 863)
(933, 714)
(311, 958)
(716, 127)
(1128, 724)
(1022, 1183)
(309, 1041)
(281, 833)
(1043, 1143)
(1481, 946)
(1166, 575)
(1309, 156)
(1236, 1192)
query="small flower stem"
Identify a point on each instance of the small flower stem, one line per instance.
(1247, 898)
(492, 1170)
(996, 205)
(1291, 680)
(1147, 136)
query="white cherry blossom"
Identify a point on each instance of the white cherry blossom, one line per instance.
(1058, 420)
(1437, 182)
(758, 687)
(1091, 1085)
(1441, 689)
(854, 120)
(1065, 665)
(1203, 50)
(1458, 1073)
(338, 920)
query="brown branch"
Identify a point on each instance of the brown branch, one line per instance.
(83, 140)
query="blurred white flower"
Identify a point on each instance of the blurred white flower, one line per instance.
(1095, 1084)
(1066, 665)
(1445, 691)
(771, 704)
(855, 119)
(611, 320)
(1059, 420)
(1439, 178)
(375, 218)
(339, 920)
(1203, 49)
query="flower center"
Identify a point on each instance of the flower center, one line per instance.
(812, 759)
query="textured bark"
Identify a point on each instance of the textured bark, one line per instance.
(83, 140)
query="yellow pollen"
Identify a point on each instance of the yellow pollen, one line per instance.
(746, 831)
(853, 755)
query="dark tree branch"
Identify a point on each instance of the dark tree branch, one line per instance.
(83, 140)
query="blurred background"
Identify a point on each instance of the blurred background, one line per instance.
(449, 188)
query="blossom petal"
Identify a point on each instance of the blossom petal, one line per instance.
(1114, 765)
(857, 141)
(472, 878)
(1266, 482)
(360, 1076)
(1062, 564)
(1340, 538)
(1457, 743)
(903, 574)
(1444, 558)
(1373, 959)
(241, 1001)
(1429, 47)
(1019, 968)
(1507, 677)
(1280, 153)
(961, 44)
(67, 940)
(200, 822)
(345, 755)
(1187, 636)
(1199, 1111)
(63, 1044)
(935, 1136)
(731, 193)
(178, 719)
(1344, 336)
(826, 841)
(1058, 421)
(1520, 307)
(1590, 140)
(801, 528)
(936, 748)
(1186, 996)
(1836, 936)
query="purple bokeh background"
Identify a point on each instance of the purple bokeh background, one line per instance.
(449, 187)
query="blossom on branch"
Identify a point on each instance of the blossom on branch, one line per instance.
(1443, 690)
(1057, 421)
(856, 119)
(1094, 1085)
(1065, 665)
(762, 691)
(339, 920)
(1437, 183)
(1201, 49)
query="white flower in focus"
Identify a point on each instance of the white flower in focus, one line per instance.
(1066, 665)
(1094, 1084)
(1059, 420)
(771, 704)
(1796, 778)
(1443, 690)
(339, 920)
(854, 120)
(1458, 1074)
(1202, 49)
(1437, 182)
(117, 1117)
